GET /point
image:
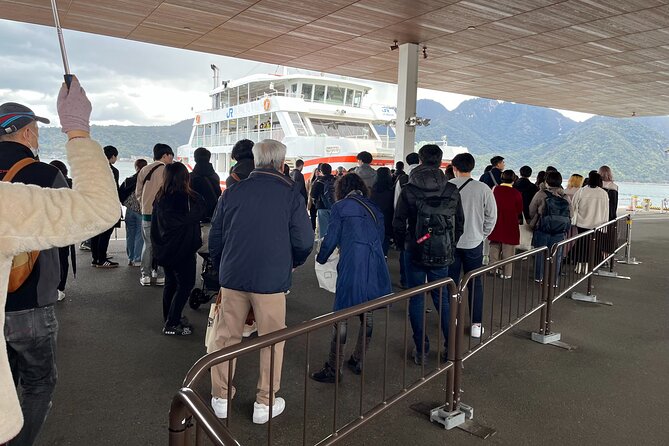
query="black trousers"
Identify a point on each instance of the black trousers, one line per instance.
(64, 257)
(179, 281)
(99, 245)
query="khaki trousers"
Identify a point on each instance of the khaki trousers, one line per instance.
(270, 313)
(501, 251)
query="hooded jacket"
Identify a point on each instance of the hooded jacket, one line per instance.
(205, 181)
(539, 203)
(40, 288)
(367, 174)
(242, 170)
(33, 218)
(424, 181)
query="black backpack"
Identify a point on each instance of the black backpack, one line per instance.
(328, 197)
(555, 218)
(435, 229)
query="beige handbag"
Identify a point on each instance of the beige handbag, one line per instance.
(212, 324)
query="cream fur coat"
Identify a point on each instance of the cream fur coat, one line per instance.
(35, 218)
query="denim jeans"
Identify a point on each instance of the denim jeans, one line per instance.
(403, 268)
(134, 243)
(323, 216)
(542, 239)
(31, 347)
(418, 275)
(148, 263)
(468, 260)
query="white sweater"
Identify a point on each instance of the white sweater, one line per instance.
(34, 218)
(591, 207)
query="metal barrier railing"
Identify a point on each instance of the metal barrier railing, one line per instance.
(487, 295)
(189, 410)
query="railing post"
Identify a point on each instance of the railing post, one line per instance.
(545, 336)
(629, 260)
(178, 424)
(592, 261)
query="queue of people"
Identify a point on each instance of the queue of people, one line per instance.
(442, 222)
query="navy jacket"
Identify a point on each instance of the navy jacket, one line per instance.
(259, 233)
(488, 179)
(362, 272)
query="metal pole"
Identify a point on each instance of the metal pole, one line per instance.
(551, 279)
(544, 294)
(591, 260)
(61, 41)
(407, 91)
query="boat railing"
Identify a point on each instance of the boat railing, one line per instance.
(230, 138)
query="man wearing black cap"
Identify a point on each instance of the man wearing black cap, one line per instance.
(34, 299)
(494, 176)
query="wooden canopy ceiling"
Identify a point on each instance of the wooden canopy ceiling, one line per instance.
(608, 57)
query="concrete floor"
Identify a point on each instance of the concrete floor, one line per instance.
(118, 372)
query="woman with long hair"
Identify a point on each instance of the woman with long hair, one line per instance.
(591, 209)
(357, 228)
(383, 195)
(175, 234)
(541, 179)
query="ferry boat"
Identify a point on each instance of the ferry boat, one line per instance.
(319, 119)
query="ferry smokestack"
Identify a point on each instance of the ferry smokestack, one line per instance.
(214, 68)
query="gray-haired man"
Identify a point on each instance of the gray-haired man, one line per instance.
(260, 232)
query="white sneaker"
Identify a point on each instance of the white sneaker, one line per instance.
(160, 281)
(249, 330)
(477, 330)
(261, 411)
(220, 406)
(61, 296)
(145, 281)
(154, 273)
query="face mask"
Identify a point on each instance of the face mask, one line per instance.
(34, 150)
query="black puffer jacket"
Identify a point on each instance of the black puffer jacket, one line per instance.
(175, 227)
(40, 288)
(205, 181)
(424, 181)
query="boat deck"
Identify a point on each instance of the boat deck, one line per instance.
(118, 373)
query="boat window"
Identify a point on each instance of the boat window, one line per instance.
(341, 129)
(335, 95)
(293, 89)
(307, 89)
(319, 93)
(349, 97)
(298, 124)
(357, 99)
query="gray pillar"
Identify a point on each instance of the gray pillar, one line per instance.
(407, 91)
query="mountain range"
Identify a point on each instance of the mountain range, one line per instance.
(633, 147)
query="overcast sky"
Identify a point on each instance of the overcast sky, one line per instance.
(131, 82)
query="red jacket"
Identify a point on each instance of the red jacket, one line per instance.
(509, 206)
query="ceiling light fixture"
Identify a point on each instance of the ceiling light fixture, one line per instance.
(394, 46)
(471, 27)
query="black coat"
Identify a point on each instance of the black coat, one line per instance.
(175, 227)
(241, 170)
(205, 181)
(259, 233)
(40, 288)
(488, 179)
(527, 189)
(298, 178)
(385, 200)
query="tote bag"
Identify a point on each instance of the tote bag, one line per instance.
(327, 273)
(526, 234)
(212, 324)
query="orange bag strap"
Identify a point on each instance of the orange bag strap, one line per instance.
(16, 168)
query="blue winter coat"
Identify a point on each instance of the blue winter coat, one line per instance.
(362, 272)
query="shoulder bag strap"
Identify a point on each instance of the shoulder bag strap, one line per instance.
(466, 183)
(366, 207)
(16, 168)
(493, 178)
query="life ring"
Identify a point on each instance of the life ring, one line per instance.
(266, 104)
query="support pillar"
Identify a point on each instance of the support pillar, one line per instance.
(407, 92)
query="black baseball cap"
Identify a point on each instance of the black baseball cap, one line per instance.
(14, 117)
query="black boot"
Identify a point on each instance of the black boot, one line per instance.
(326, 375)
(354, 365)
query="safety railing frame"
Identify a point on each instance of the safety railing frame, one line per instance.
(189, 410)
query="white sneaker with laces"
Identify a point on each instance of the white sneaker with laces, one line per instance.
(145, 280)
(61, 296)
(160, 281)
(249, 330)
(477, 330)
(220, 406)
(261, 411)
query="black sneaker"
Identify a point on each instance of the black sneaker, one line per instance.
(107, 264)
(179, 330)
(325, 375)
(355, 366)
